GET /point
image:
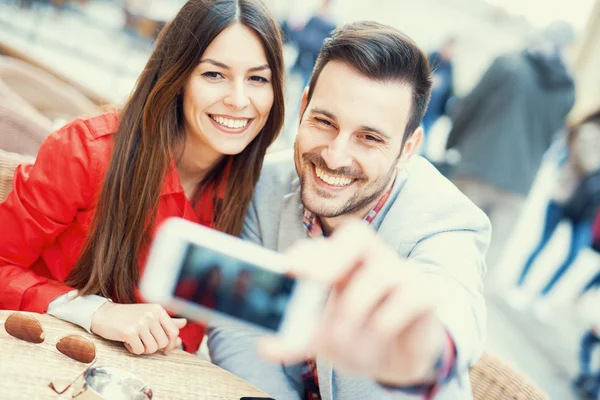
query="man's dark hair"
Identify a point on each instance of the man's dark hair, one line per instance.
(381, 53)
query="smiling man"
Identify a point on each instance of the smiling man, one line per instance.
(347, 153)
(406, 316)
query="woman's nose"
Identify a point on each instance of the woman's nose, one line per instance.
(237, 97)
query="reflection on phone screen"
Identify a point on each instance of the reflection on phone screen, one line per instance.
(237, 288)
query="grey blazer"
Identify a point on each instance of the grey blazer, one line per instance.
(427, 220)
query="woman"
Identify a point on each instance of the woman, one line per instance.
(568, 202)
(189, 143)
(595, 281)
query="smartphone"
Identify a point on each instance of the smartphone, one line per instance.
(257, 398)
(207, 276)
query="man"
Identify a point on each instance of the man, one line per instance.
(406, 316)
(505, 125)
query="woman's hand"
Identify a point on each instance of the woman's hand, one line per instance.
(144, 328)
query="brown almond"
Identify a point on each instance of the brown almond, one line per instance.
(24, 327)
(78, 348)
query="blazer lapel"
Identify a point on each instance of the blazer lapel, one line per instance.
(291, 228)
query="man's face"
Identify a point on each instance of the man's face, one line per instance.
(349, 141)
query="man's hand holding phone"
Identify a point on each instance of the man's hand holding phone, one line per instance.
(379, 320)
(143, 328)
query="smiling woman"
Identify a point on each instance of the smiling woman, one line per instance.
(227, 99)
(189, 143)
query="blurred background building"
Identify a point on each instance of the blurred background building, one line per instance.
(62, 58)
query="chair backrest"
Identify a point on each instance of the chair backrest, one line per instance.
(491, 379)
(22, 128)
(8, 164)
(49, 95)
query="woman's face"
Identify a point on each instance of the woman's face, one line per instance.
(228, 97)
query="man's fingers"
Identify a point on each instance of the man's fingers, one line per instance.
(368, 287)
(340, 253)
(276, 350)
(399, 310)
(179, 322)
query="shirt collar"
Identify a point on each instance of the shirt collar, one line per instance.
(172, 183)
(314, 227)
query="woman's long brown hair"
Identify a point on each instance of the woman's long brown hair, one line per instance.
(150, 126)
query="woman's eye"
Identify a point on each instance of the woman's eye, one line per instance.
(213, 75)
(259, 79)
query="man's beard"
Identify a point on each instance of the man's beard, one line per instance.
(363, 196)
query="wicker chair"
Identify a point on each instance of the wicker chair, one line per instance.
(50, 96)
(8, 164)
(491, 379)
(22, 128)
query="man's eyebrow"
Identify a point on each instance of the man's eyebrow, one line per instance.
(364, 128)
(225, 66)
(324, 112)
(379, 132)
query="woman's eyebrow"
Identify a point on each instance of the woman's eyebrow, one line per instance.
(225, 66)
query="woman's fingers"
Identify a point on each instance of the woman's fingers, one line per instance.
(158, 332)
(134, 344)
(150, 345)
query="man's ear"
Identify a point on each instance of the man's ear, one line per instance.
(410, 147)
(303, 103)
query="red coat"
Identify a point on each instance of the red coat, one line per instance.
(45, 219)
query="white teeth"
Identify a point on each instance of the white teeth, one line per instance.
(332, 180)
(231, 123)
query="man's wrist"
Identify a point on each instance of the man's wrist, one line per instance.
(442, 371)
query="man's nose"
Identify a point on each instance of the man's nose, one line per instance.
(336, 154)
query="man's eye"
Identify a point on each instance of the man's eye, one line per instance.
(323, 122)
(213, 75)
(373, 139)
(259, 79)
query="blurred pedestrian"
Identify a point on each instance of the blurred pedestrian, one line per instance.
(574, 199)
(309, 39)
(442, 87)
(505, 125)
(587, 382)
(595, 281)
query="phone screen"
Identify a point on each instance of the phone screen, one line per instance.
(235, 287)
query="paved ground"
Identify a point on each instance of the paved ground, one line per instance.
(544, 345)
(531, 347)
